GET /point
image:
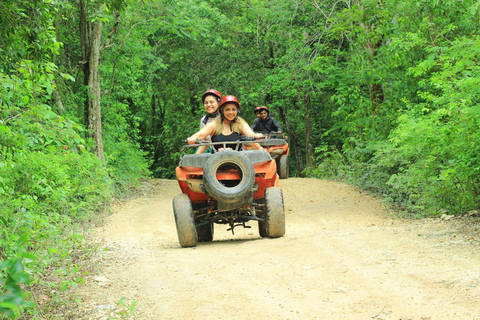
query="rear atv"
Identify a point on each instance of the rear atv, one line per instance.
(276, 144)
(229, 187)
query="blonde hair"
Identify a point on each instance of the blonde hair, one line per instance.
(236, 126)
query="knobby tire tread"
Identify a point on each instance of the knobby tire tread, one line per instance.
(283, 169)
(183, 212)
(275, 224)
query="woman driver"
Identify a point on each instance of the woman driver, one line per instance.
(227, 127)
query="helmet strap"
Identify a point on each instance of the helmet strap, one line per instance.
(213, 115)
(210, 115)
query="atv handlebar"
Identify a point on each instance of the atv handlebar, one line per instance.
(242, 138)
(246, 138)
(263, 140)
(198, 141)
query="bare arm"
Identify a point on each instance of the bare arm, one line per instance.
(206, 131)
(247, 131)
(201, 149)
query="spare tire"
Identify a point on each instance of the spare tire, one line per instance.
(228, 191)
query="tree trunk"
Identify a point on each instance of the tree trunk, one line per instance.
(309, 160)
(91, 36)
(292, 140)
(376, 90)
(85, 35)
(309, 154)
(372, 46)
(94, 110)
(58, 101)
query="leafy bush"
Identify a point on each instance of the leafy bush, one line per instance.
(125, 159)
(48, 185)
(11, 274)
(430, 162)
(43, 195)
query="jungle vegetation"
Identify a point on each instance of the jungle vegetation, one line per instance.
(96, 95)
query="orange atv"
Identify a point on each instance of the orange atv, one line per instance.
(276, 144)
(227, 187)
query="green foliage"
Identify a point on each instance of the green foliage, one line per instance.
(43, 194)
(49, 185)
(426, 160)
(128, 310)
(11, 275)
(26, 32)
(125, 160)
(436, 143)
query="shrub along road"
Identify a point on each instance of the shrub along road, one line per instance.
(343, 257)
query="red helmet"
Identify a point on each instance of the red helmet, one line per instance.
(262, 108)
(257, 110)
(229, 98)
(212, 92)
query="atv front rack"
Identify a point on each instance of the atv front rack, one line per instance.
(199, 160)
(238, 143)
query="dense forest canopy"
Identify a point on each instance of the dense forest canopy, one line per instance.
(96, 94)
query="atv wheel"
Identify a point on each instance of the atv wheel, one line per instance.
(182, 209)
(231, 190)
(205, 233)
(275, 223)
(283, 167)
(262, 229)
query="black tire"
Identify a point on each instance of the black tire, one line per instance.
(186, 231)
(275, 212)
(205, 233)
(262, 229)
(217, 189)
(283, 169)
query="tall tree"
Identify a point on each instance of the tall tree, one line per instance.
(91, 41)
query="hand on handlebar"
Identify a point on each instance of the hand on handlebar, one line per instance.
(193, 141)
(260, 136)
(253, 138)
(246, 138)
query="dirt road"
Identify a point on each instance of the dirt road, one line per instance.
(343, 257)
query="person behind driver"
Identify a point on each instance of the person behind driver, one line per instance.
(227, 127)
(211, 99)
(265, 123)
(257, 112)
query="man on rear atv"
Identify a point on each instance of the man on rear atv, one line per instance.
(265, 123)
